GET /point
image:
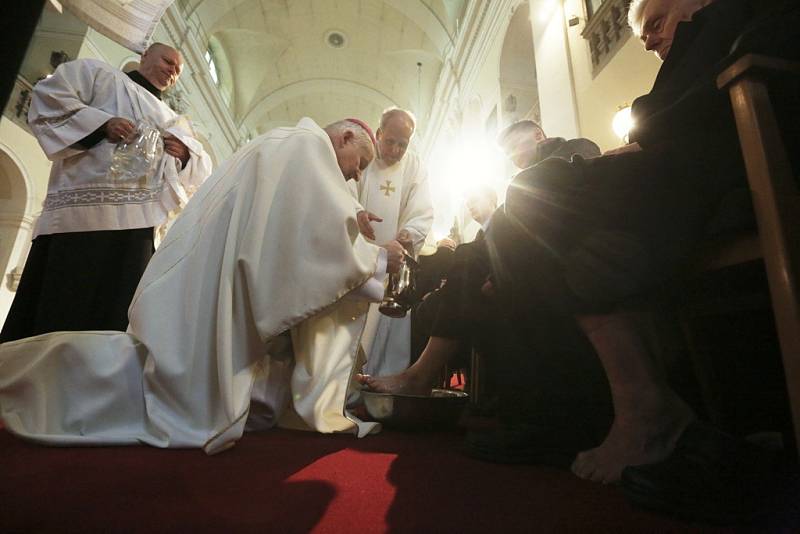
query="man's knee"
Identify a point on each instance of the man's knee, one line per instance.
(550, 176)
(545, 199)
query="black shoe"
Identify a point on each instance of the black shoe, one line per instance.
(710, 477)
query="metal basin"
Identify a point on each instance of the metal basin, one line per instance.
(439, 410)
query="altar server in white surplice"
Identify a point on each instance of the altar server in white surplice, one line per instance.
(397, 205)
(94, 236)
(250, 312)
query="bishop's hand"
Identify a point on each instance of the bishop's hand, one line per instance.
(394, 256)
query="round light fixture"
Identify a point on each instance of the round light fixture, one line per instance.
(335, 39)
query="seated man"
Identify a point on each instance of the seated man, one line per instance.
(515, 385)
(526, 144)
(481, 203)
(269, 244)
(581, 242)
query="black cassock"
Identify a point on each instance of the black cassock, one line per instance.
(80, 280)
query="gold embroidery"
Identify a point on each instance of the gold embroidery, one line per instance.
(387, 188)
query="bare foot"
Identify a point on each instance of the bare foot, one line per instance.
(404, 383)
(644, 434)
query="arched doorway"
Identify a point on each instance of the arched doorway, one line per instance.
(15, 226)
(519, 95)
(13, 199)
(130, 66)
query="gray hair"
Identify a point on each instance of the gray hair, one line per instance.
(635, 12)
(393, 112)
(361, 136)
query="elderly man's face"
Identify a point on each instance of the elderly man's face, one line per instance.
(162, 66)
(660, 19)
(393, 139)
(352, 157)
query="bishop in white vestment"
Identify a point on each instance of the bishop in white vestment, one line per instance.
(270, 244)
(394, 189)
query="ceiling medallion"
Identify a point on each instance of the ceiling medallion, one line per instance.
(335, 39)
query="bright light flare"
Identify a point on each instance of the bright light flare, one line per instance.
(458, 167)
(622, 123)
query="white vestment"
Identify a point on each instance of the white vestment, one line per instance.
(130, 24)
(398, 194)
(79, 98)
(269, 243)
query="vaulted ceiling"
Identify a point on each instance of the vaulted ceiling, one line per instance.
(278, 59)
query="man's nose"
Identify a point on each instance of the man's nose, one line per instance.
(651, 41)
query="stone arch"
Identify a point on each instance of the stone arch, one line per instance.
(317, 85)
(519, 94)
(425, 15)
(129, 63)
(15, 219)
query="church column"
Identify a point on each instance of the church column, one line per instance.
(554, 69)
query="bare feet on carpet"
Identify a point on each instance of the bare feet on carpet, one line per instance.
(405, 383)
(644, 433)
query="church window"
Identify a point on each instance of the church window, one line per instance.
(212, 67)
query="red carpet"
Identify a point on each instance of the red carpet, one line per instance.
(283, 481)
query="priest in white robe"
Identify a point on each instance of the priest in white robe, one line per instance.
(268, 250)
(397, 205)
(94, 236)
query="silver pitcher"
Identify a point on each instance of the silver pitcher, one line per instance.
(400, 289)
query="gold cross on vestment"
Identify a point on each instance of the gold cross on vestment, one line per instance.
(387, 188)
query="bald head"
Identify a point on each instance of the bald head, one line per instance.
(397, 115)
(394, 135)
(161, 65)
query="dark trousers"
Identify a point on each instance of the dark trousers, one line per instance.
(588, 236)
(78, 281)
(539, 367)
